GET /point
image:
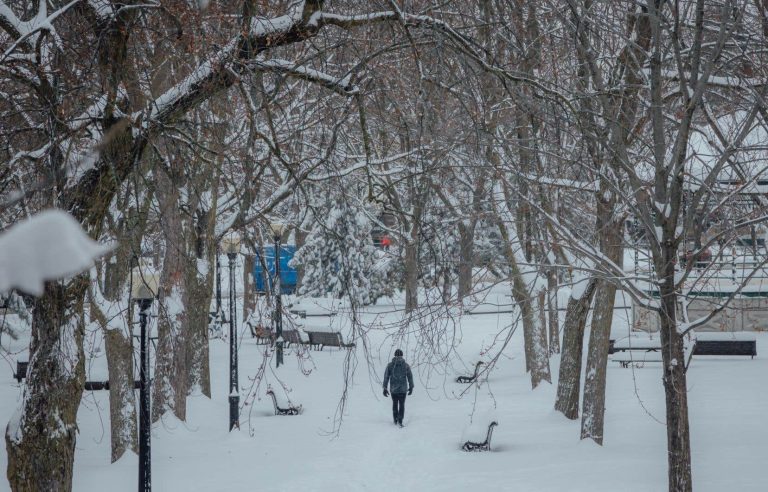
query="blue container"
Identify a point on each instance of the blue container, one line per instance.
(264, 279)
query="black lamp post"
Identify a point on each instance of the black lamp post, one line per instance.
(145, 287)
(232, 248)
(277, 231)
(220, 318)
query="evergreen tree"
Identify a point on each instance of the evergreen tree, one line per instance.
(339, 257)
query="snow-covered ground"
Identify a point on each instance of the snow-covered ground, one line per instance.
(533, 448)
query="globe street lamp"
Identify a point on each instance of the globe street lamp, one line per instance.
(231, 246)
(144, 288)
(278, 228)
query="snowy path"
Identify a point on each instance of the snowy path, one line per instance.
(534, 448)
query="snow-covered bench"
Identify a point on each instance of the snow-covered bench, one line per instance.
(638, 358)
(262, 334)
(636, 344)
(21, 373)
(296, 336)
(320, 339)
(481, 446)
(286, 408)
(473, 377)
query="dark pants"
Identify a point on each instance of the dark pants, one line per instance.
(398, 406)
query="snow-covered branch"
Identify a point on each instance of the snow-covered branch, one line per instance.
(342, 86)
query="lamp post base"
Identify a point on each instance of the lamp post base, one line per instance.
(279, 354)
(234, 417)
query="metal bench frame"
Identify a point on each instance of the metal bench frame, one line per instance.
(473, 377)
(283, 411)
(481, 446)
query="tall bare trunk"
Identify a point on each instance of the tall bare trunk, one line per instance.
(597, 361)
(122, 397)
(170, 375)
(569, 380)
(411, 277)
(466, 253)
(40, 438)
(611, 237)
(552, 310)
(249, 294)
(534, 318)
(675, 384)
(198, 301)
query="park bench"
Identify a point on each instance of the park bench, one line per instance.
(262, 334)
(294, 336)
(287, 410)
(725, 344)
(636, 352)
(320, 339)
(473, 377)
(629, 344)
(638, 358)
(21, 373)
(481, 446)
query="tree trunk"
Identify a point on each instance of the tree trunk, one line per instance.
(196, 331)
(108, 310)
(675, 386)
(301, 238)
(597, 362)
(117, 331)
(569, 380)
(552, 310)
(170, 375)
(447, 286)
(40, 438)
(466, 253)
(249, 295)
(610, 227)
(533, 322)
(122, 397)
(411, 277)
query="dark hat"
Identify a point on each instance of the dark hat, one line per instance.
(398, 353)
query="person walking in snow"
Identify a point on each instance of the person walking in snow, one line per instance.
(399, 379)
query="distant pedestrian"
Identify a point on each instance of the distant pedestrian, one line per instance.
(400, 379)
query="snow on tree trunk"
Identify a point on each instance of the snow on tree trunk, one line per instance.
(122, 397)
(40, 438)
(110, 308)
(569, 380)
(109, 314)
(534, 331)
(540, 361)
(170, 359)
(249, 294)
(597, 361)
(195, 328)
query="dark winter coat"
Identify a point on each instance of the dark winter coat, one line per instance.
(398, 376)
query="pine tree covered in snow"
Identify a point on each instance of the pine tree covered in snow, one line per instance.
(339, 257)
